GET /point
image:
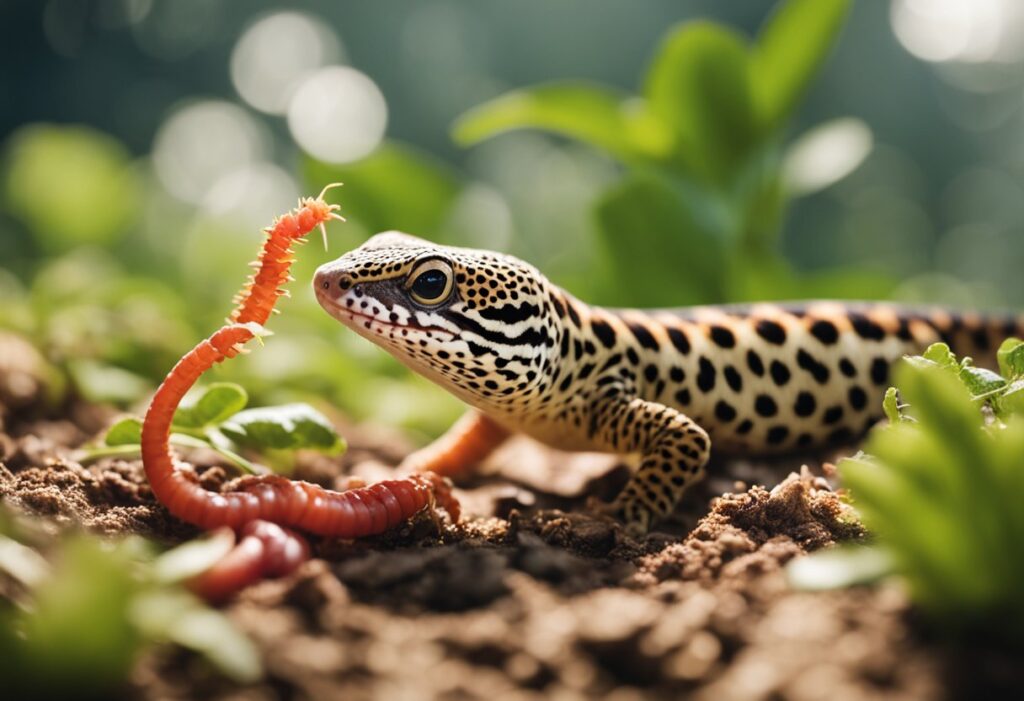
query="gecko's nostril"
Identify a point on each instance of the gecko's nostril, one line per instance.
(325, 285)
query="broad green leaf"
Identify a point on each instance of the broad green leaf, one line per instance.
(396, 187)
(980, 381)
(656, 253)
(699, 85)
(127, 431)
(790, 49)
(80, 624)
(286, 427)
(216, 403)
(842, 566)
(1011, 358)
(594, 114)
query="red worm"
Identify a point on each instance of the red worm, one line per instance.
(264, 550)
(301, 505)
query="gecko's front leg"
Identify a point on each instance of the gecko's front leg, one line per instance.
(673, 450)
(463, 447)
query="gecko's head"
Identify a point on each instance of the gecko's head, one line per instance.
(476, 322)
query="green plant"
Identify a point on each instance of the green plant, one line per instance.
(216, 418)
(696, 216)
(940, 488)
(76, 611)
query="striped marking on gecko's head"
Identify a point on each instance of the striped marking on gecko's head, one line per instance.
(478, 323)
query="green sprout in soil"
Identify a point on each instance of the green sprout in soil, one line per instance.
(77, 611)
(216, 418)
(941, 489)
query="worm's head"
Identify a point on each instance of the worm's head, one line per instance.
(481, 324)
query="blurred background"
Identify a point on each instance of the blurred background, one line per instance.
(145, 143)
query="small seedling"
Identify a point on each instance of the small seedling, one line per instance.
(940, 489)
(216, 418)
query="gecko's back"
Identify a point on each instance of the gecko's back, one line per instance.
(778, 377)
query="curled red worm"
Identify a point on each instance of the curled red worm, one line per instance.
(270, 498)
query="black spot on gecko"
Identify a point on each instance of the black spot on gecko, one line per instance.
(723, 337)
(825, 331)
(765, 405)
(771, 332)
(679, 340)
(779, 372)
(643, 336)
(807, 362)
(879, 371)
(604, 332)
(706, 376)
(732, 378)
(755, 363)
(805, 404)
(724, 411)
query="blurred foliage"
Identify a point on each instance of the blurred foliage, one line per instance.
(697, 214)
(940, 488)
(72, 185)
(674, 193)
(77, 611)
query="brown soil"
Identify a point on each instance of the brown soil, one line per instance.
(529, 598)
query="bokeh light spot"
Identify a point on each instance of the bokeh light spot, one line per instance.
(201, 143)
(967, 31)
(826, 154)
(275, 53)
(338, 115)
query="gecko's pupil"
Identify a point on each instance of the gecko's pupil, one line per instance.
(430, 284)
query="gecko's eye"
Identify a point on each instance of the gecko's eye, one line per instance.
(431, 283)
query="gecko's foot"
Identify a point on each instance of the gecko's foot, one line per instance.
(634, 518)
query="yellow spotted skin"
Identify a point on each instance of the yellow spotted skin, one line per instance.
(663, 384)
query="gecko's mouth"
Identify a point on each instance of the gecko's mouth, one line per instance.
(346, 314)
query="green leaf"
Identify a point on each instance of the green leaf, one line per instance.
(891, 405)
(193, 557)
(178, 617)
(1011, 401)
(791, 48)
(287, 427)
(396, 187)
(100, 382)
(699, 85)
(1010, 357)
(980, 381)
(127, 431)
(650, 238)
(218, 402)
(941, 355)
(594, 114)
(842, 566)
(80, 622)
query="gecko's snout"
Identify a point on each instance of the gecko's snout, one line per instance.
(327, 279)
